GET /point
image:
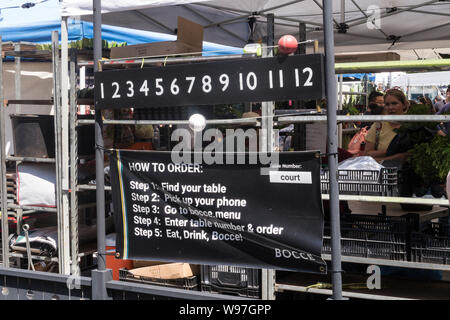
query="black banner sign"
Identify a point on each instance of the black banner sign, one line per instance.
(235, 214)
(232, 81)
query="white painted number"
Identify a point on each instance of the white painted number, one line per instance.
(252, 81)
(116, 94)
(144, 88)
(308, 82)
(225, 80)
(206, 80)
(192, 80)
(130, 89)
(247, 81)
(270, 79)
(159, 86)
(102, 91)
(174, 88)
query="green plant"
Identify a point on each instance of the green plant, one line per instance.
(431, 160)
(348, 105)
(418, 132)
(84, 43)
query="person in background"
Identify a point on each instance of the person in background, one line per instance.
(439, 103)
(448, 187)
(376, 97)
(444, 128)
(447, 95)
(380, 135)
(425, 100)
(375, 107)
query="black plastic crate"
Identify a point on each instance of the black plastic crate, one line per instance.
(437, 229)
(363, 182)
(381, 237)
(244, 282)
(432, 245)
(430, 249)
(189, 283)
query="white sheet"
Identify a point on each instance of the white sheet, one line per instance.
(84, 7)
(36, 184)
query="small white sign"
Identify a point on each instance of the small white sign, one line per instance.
(301, 177)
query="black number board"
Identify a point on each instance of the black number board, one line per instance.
(230, 81)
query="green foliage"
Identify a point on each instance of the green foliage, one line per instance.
(84, 43)
(348, 105)
(418, 132)
(430, 155)
(226, 111)
(431, 160)
(352, 110)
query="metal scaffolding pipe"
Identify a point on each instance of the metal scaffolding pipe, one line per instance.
(365, 118)
(166, 60)
(331, 93)
(101, 275)
(4, 226)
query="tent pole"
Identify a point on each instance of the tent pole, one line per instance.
(99, 144)
(425, 30)
(64, 223)
(17, 77)
(218, 25)
(331, 94)
(101, 275)
(367, 17)
(267, 141)
(322, 7)
(172, 31)
(4, 197)
(358, 21)
(280, 6)
(313, 23)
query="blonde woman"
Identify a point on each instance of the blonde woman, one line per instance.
(381, 134)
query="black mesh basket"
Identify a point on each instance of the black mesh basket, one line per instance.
(244, 282)
(363, 182)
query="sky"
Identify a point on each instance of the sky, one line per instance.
(48, 10)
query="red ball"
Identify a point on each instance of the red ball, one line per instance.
(287, 44)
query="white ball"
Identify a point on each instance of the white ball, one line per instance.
(197, 122)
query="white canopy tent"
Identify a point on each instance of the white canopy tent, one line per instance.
(362, 25)
(441, 78)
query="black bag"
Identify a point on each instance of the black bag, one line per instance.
(401, 143)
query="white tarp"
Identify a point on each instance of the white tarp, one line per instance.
(84, 7)
(373, 24)
(156, 16)
(441, 78)
(36, 184)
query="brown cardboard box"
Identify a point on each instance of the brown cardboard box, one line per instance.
(143, 263)
(189, 40)
(167, 271)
